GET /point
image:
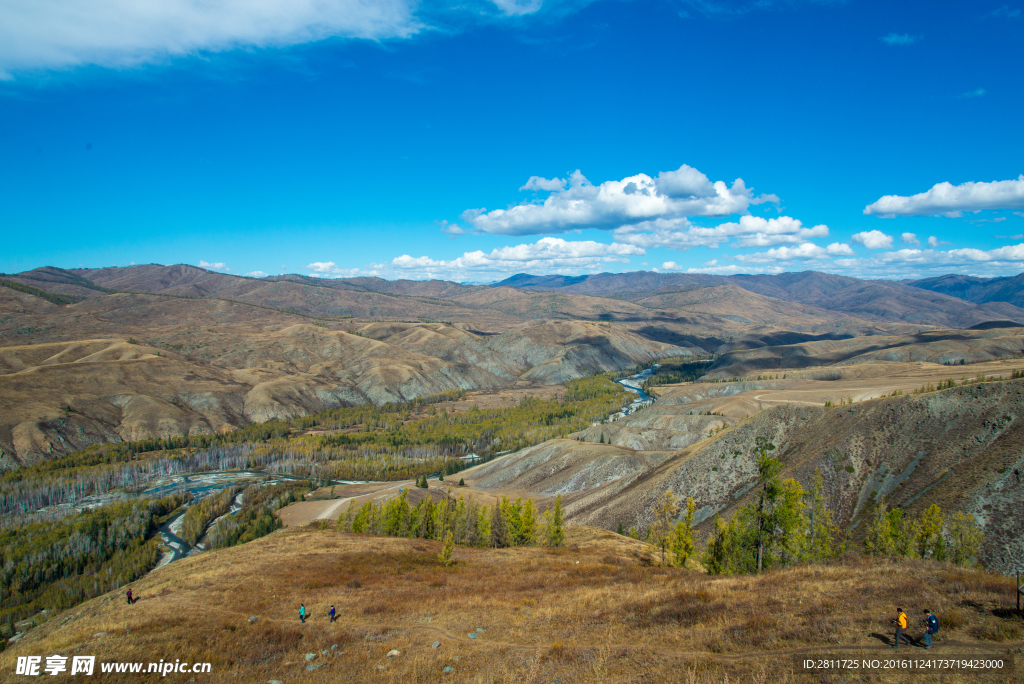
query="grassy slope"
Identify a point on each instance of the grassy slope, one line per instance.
(587, 613)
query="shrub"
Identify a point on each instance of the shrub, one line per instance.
(951, 619)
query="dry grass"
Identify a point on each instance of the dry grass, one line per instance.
(587, 613)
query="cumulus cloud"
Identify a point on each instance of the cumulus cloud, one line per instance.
(672, 196)
(42, 34)
(544, 184)
(451, 229)
(802, 252)
(257, 274)
(898, 39)
(214, 266)
(547, 255)
(946, 199)
(714, 268)
(749, 231)
(918, 263)
(873, 239)
(909, 239)
(328, 269)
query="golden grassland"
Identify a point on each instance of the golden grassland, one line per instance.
(595, 611)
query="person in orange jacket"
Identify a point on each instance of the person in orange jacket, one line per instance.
(901, 624)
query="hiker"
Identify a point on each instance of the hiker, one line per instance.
(901, 624)
(302, 613)
(331, 614)
(130, 599)
(933, 627)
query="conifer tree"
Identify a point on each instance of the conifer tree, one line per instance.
(965, 539)
(821, 530)
(448, 550)
(665, 511)
(498, 538)
(927, 531)
(528, 524)
(556, 535)
(683, 543)
(483, 527)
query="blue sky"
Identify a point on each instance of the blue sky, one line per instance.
(354, 138)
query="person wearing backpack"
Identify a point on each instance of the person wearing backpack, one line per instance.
(901, 624)
(933, 627)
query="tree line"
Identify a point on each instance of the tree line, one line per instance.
(507, 524)
(55, 565)
(785, 524)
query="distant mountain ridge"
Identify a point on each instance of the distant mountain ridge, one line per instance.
(921, 302)
(978, 290)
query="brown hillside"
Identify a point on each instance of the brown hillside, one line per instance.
(586, 613)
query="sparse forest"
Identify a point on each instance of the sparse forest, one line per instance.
(508, 524)
(55, 565)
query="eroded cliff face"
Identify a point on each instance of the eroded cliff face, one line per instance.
(56, 398)
(962, 449)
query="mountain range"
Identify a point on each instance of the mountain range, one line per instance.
(94, 355)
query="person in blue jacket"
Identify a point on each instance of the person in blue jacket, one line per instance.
(933, 627)
(302, 613)
(331, 614)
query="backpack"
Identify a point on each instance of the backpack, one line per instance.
(933, 624)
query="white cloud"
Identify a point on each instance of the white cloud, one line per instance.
(328, 269)
(919, 263)
(257, 274)
(547, 255)
(216, 266)
(44, 34)
(910, 239)
(802, 252)
(899, 39)
(714, 268)
(873, 239)
(673, 195)
(544, 184)
(518, 7)
(749, 231)
(951, 200)
(451, 229)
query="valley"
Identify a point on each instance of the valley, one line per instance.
(266, 413)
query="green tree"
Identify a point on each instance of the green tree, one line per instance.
(724, 553)
(498, 536)
(927, 531)
(683, 543)
(618, 530)
(556, 535)
(665, 511)
(764, 513)
(821, 529)
(965, 539)
(448, 550)
(462, 482)
(528, 523)
(878, 540)
(483, 527)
